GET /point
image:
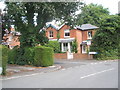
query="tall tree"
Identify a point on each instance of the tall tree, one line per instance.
(106, 40)
(21, 14)
(92, 14)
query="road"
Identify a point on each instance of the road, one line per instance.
(100, 74)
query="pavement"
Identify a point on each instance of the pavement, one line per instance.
(17, 70)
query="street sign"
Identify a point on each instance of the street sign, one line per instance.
(93, 52)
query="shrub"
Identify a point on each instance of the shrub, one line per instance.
(17, 56)
(12, 56)
(55, 45)
(29, 55)
(43, 56)
(3, 61)
(74, 46)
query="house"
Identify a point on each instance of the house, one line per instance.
(11, 39)
(83, 35)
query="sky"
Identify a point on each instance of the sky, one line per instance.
(112, 5)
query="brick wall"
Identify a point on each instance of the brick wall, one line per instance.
(61, 31)
(76, 56)
(82, 56)
(60, 55)
(54, 32)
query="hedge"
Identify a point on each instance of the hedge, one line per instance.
(29, 55)
(3, 61)
(36, 56)
(55, 45)
(22, 56)
(12, 56)
(43, 56)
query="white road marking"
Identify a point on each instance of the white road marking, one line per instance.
(97, 73)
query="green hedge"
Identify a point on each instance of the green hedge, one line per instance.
(36, 56)
(43, 56)
(55, 45)
(12, 56)
(3, 61)
(22, 56)
(29, 55)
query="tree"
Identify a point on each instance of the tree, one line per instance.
(21, 14)
(106, 40)
(92, 14)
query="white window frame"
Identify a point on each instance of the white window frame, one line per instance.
(89, 37)
(84, 49)
(65, 47)
(67, 31)
(51, 33)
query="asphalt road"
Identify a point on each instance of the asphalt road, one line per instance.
(100, 74)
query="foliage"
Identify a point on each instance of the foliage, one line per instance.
(26, 59)
(3, 60)
(55, 45)
(58, 36)
(43, 56)
(29, 55)
(106, 40)
(21, 14)
(92, 14)
(74, 46)
(12, 56)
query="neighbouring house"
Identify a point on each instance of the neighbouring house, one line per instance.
(11, 39)
(65, 36)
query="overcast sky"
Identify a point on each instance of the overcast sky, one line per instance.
(112, 5)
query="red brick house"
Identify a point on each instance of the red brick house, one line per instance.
(83, 35)
(11, 39)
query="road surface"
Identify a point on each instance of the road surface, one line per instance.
(100, 74)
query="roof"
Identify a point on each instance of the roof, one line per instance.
(55, 26)
(87, 27)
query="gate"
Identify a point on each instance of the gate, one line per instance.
(69, 55)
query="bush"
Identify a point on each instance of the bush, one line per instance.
(55, 45)
(3, 61)
(29, 55)
(74, 46)
(43, 56)
(21, 56)
(12, 56)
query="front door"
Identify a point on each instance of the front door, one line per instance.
(65, 47)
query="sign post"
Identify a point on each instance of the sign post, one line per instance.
(92, 53)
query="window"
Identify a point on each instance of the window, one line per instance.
(67, 33)
(84, 50)
(89, 34)
(51, 34)
(65, 46)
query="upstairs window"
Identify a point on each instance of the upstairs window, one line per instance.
(67, 33)
(89, 34)
(51, 34)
